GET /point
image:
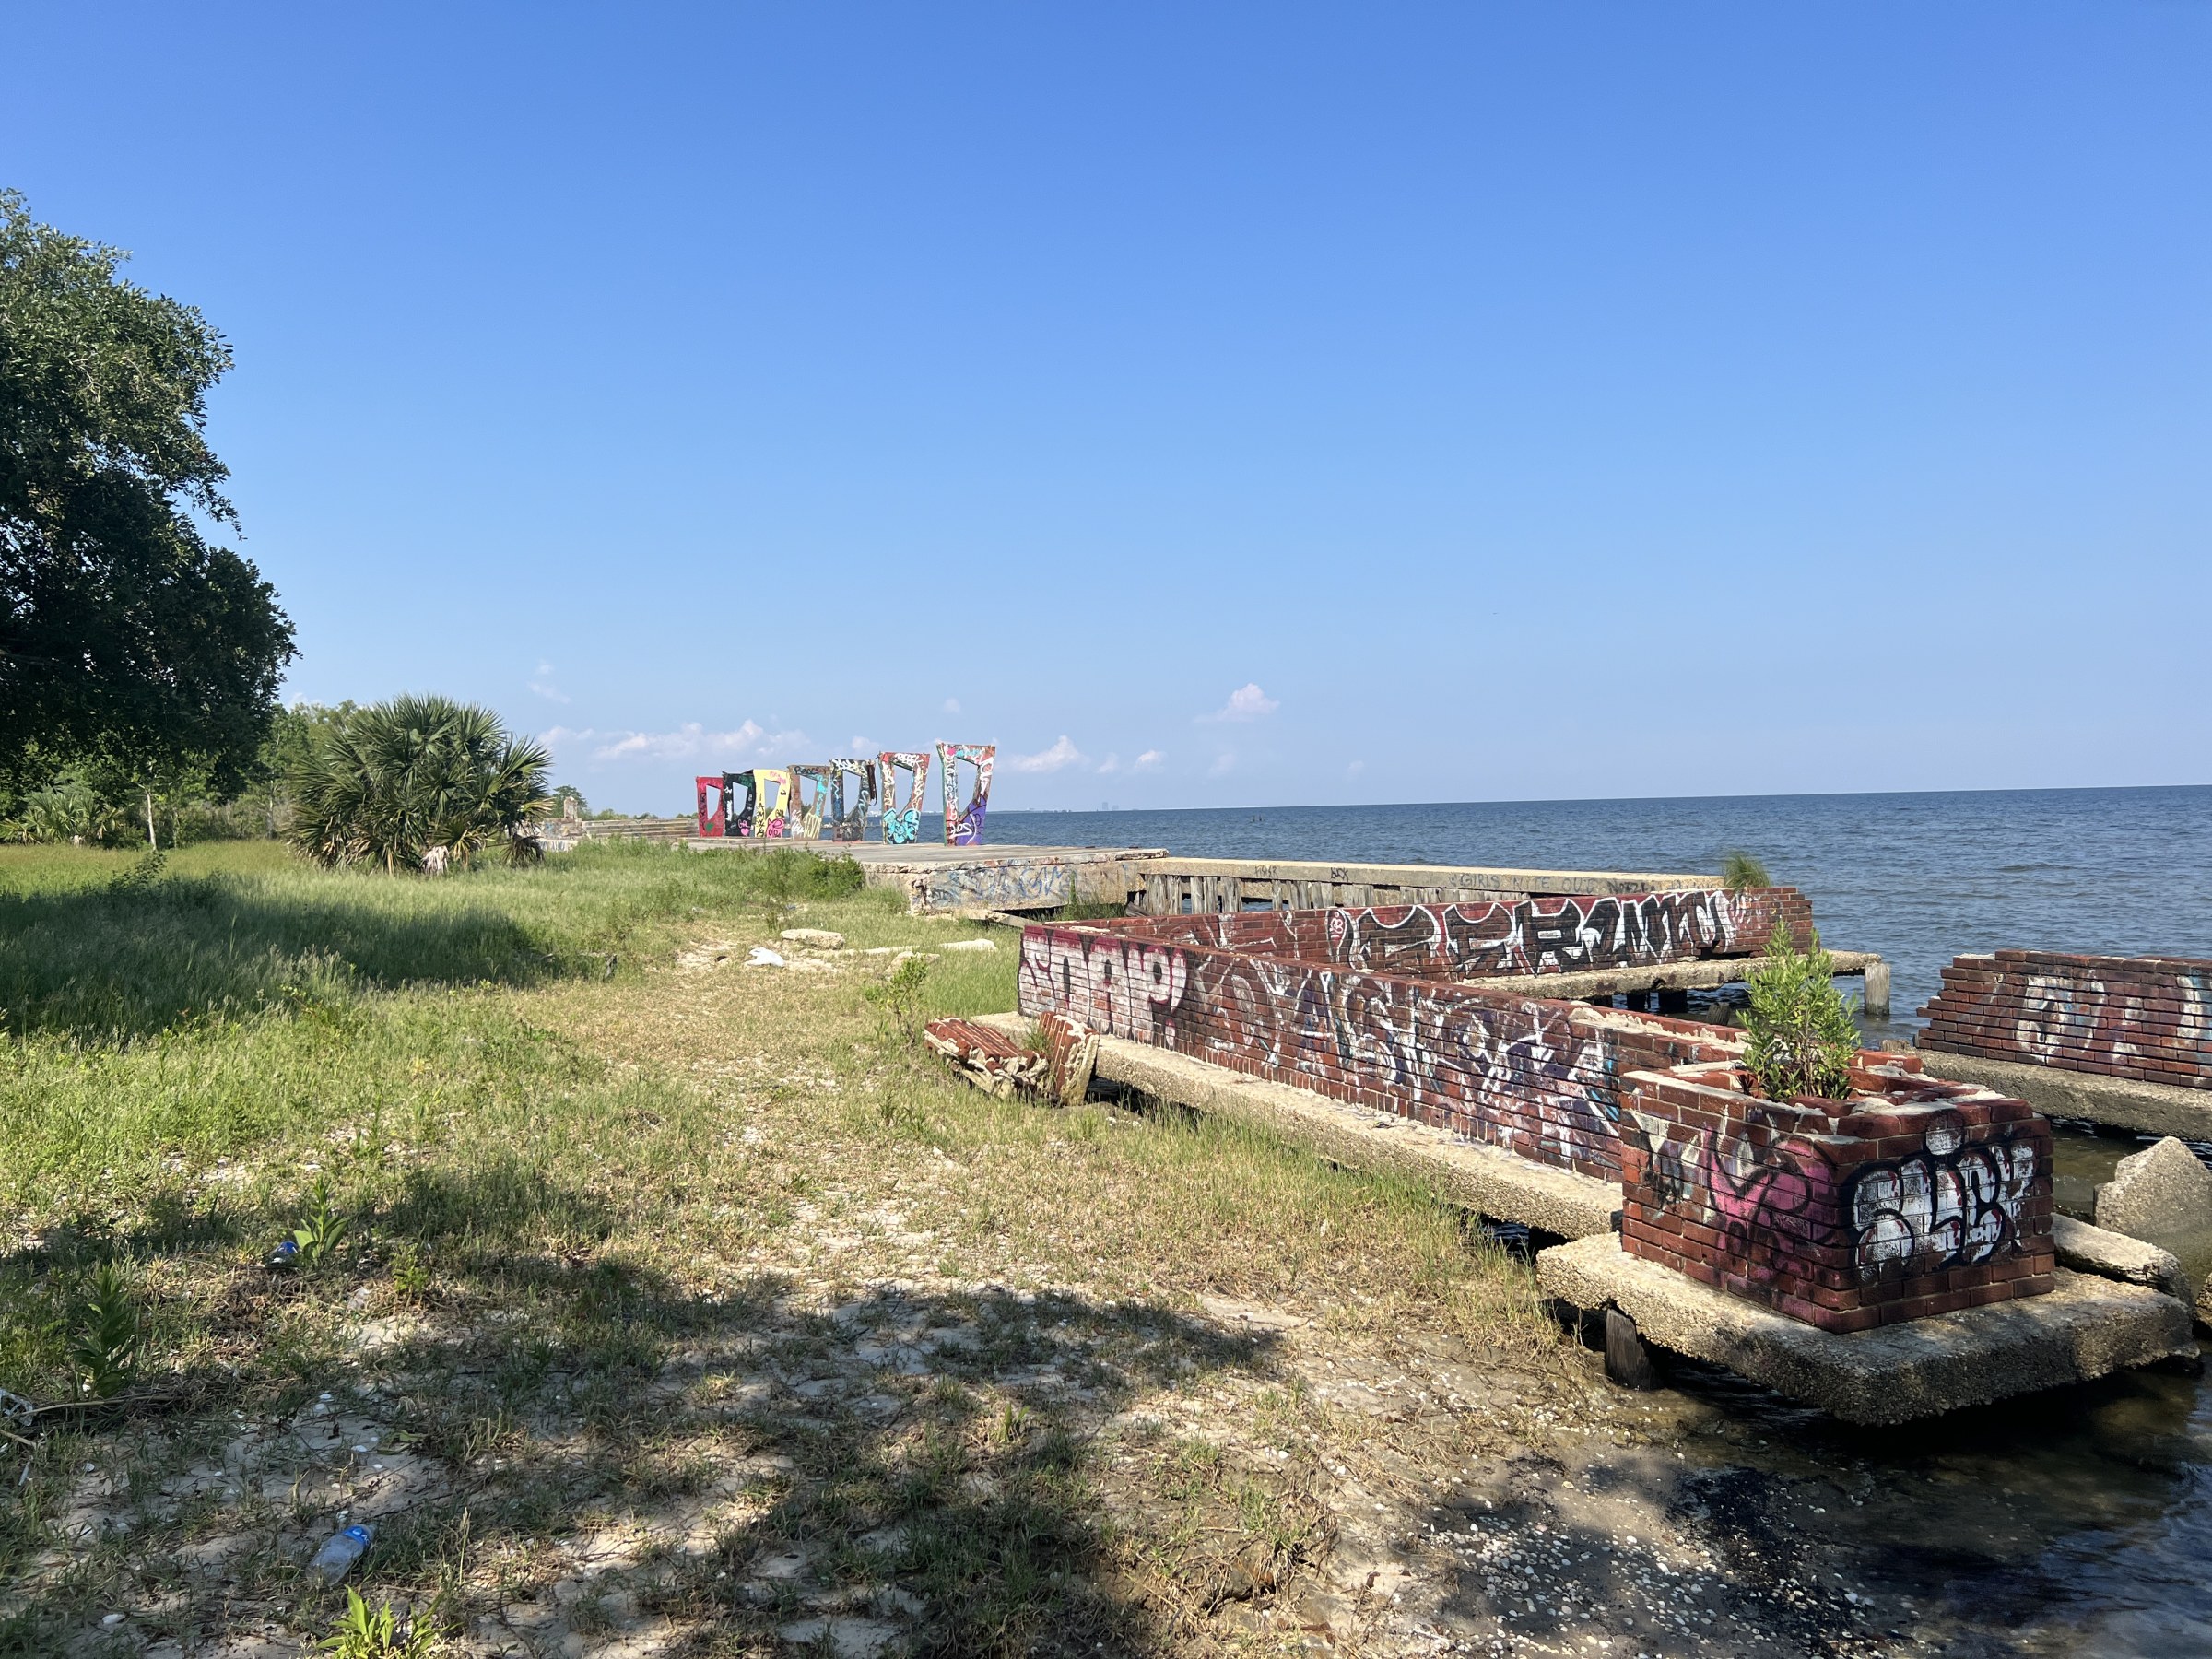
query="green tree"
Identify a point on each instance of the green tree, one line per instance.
(121, 628)
(396, 782)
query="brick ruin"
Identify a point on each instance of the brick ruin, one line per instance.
(1480, 1059)
(2147, 1019)
(1913, 1198)
(1918, 1198)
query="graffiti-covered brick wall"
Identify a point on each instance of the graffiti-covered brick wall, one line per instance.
(2145, 1019)
(1535, 1077)
(1516, 937)
(1923, 1198)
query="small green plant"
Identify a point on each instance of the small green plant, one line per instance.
(1740, 870)
(1013, 1425)
(1802, 1039)
(321, 1231)
(900, 997)
(361, 1634)
(410, 1272)
(143, 875)
(104, 1343)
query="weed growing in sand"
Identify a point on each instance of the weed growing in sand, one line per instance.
(104, 1345)
(900, 997)
(361, 1634)
(321, 1231)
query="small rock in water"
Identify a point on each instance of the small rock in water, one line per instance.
(820, 938)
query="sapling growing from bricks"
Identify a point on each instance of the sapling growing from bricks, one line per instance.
(1802, 1039)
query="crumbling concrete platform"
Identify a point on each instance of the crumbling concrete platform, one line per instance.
(1486, 1180)
(2119, 1102)
(2087, 1327)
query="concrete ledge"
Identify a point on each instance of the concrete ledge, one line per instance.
(1702, 974)
(2153, 1108)
(2086, 1328)
(1479, 1178)
(2113, 1255)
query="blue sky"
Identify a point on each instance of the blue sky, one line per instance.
(1272, 404)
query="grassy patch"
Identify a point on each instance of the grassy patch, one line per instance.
(647, 1289)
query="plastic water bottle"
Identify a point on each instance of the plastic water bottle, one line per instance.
(336, 1559)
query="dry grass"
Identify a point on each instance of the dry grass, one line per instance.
(689, 1310)
(685, 1308)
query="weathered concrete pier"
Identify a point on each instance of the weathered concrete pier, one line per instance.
(1148, 881)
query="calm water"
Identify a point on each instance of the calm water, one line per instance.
(2074, 1523)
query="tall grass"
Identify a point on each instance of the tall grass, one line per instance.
(92, 950)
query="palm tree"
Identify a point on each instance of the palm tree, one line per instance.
(393, 782)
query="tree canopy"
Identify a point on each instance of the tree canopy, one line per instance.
(123, 631)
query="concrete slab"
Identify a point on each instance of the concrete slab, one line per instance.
(2153, 1108)
(1702, 974)
(1483, 1179)
(2114, 1255)
(2086, 1328)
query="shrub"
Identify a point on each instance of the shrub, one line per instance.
(1802, 1039)
(398, 781)
(1740, 870)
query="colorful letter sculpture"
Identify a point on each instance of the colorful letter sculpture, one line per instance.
(810, 811)
(902, 825)
(965, 829)
(771, 808)
(851, 825)
(737, 816)
(714, 801)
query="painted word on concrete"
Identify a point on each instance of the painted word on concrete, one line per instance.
(901, 823)
(1915, 1197)
(965, 826)
(1536, 1078)
(2145, 1018)
(1512, 937)
(810, 800)
(851, 825)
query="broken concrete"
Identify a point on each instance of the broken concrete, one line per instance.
(2156, 1193)
(817, 938)
(2113, 1255)
(2084, 1328)
(1479, 1178)
(2150, 1108)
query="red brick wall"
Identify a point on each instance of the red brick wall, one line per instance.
(1921, 1200)
(1535, 1077)
(2146, 1019)
(1557, 934)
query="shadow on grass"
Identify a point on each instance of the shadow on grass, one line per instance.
(910, 1463)
(102, 963)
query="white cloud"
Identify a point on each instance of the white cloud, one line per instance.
(952, 705)
(1246, 703)
(1062, 753)
(1112, 763)
(543, 684)
(1147, 760)
(1355, 768)
(691, 740)
(1224, 763)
